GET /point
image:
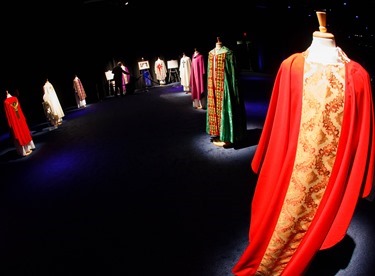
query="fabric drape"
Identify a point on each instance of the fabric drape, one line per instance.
(340, 172)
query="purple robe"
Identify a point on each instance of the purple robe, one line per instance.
(197, 76)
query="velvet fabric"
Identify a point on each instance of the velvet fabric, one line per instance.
(197, 76)
(226, 117)
(17, 121)
(351, 178)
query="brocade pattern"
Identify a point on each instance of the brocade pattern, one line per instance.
(320, 128)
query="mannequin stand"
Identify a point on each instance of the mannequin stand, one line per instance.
(173, 74)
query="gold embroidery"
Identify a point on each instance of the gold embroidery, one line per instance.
(215, 89)
(321, 119)
(15, 107)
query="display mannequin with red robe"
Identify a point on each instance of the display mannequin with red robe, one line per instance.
(315, 159)
(18, 126)
(197, 81)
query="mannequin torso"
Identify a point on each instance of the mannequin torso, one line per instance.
(323, 50)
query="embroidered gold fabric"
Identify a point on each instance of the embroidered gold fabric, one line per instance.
(320, 127)
(15, 107)
(215, 91)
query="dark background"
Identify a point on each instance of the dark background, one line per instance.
(132, 185)
(58, 39)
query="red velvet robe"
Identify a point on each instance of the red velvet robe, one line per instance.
(197, 76)
(352, 173)
(16, 121)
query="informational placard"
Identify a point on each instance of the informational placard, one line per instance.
(172, 64)
(109, 75)
(142, 65)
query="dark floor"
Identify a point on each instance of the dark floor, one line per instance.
(133, 186)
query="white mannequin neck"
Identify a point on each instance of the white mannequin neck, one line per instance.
(323, 50)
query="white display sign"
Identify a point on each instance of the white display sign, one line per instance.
(109, 75)
(143, 65)
(172, 64)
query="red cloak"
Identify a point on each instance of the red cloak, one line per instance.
(17, 121)
(351, 178)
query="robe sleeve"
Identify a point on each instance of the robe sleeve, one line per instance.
(357, 152)
(275, 153)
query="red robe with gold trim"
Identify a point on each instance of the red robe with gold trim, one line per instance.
(17, 121)
(351, 177)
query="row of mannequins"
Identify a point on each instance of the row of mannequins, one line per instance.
(315, 157)
(316, 154)
(17, 122)
(192, 77)
(51, 104)
(160, 70)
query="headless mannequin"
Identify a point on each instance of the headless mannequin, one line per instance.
(219, 49)
(218, 45)
(196, 80)
(323, 48)
(19, 126)
(196, 102)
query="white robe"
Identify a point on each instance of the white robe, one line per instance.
(50, 96)
(185, 69)
(160, 70)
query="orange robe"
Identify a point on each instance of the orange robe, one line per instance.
(350, 177)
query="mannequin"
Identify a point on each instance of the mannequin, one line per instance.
(160, 71)
(18, 126)
(80, 94)
(315, 159)
(52, 102)
(185, 70)
(197, 79)
(219, 49)
(226, 116)
(323, 48)
(218, 45)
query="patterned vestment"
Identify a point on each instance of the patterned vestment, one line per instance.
(226, 117)
(315, 159)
